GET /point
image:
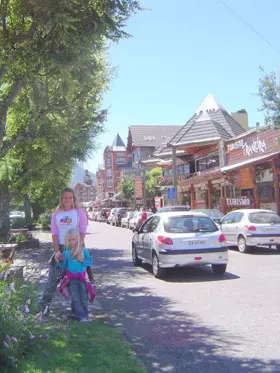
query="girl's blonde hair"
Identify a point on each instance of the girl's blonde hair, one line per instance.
(67, 190)
(76, 252)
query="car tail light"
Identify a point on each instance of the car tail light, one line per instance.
(251, 228)
(222, 238)
(165, 240)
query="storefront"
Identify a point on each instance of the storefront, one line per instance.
(253, 169)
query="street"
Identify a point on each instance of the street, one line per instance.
(191, 321)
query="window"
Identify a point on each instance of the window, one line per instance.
(154, 223)
(207, 162)
(238, 217)
(120, 161)
(264, 218)
(183, 169)
(120, 154)
(109, 173)
(266, 191)
(189, 224)
(229, 219)
(109, 184)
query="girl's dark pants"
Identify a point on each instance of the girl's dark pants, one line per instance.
(79, 299)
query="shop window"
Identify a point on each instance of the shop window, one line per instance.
(120, 160)
(208, 162)
(266, 192)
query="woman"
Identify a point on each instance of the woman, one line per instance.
(67, 216)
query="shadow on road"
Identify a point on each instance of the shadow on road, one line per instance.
(165, 339)
(260, 250)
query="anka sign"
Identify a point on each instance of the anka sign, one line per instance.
(257, 146)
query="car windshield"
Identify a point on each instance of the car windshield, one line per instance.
(264, 218)
(189, 224)
(172, 208)
(214, 214)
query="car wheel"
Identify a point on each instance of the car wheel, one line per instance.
(158, 272)
(135, 260)
(242, 246)
(278, 248)
(219, 269)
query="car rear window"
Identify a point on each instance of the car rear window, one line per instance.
(264, 218)
(189, 224)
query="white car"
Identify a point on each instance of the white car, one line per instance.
(17, 215)
(178, 239)
(248, 228)
(125, 220)
(134, 221)
(111, 216)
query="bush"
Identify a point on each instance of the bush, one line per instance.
(18, 223)
(45, 220)
(17, 303)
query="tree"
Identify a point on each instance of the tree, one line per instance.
(269, 92)
(126, 188)
(45, 44)
(152, 184)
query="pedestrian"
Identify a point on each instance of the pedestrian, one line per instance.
(75, 283)
(188, 206)
(143, 217)
(154, 209)
(66, 216)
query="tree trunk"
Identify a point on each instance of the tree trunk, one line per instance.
(37, 210)
(27, 210)
(4, 211)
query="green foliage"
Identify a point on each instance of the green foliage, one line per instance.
(152, 184)
(269, 92)
(18, 223)
(45, 221)
(26, 236)
(126, 188)
(17, 303)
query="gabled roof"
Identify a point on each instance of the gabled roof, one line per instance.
(152, 135)
(118, 142)
(211, 122)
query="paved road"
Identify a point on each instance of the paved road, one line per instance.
(192, 321)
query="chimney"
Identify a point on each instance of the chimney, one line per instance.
(241, 116)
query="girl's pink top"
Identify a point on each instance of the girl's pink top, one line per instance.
(63, 220)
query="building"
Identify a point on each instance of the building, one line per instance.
(142, 141)
(84, 192)
(116, 158)
(198, 151)
(100, 185)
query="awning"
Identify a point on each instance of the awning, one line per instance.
(248, 161)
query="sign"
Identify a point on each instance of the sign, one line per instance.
(237, 202)
(171, 194)
(256, 146)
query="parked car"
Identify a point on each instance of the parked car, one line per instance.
(135, 220)
(111, 215)
(125, 220)
(17, 215)
(172, 208)
(102, 215)
(177, 239)
(214, 214)
(248, 228)
(118, 215)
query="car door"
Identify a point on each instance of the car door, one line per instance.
(141, 239)
(228, 228)
(148, 240)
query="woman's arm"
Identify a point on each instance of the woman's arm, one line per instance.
(82, 225)
(87, 258)
(55, 238)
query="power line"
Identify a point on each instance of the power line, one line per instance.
(248, 25)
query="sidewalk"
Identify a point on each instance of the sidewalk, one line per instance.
(35, 270)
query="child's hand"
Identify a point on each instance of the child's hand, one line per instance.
(58, 257)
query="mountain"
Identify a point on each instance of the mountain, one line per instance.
(78, 175)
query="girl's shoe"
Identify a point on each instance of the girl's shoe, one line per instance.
(84, 319)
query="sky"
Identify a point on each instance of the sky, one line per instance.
(180, 51)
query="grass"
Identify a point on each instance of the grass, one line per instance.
(79, 348)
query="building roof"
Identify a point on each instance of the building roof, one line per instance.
(118, 142)
(210, 122)
(152, 135)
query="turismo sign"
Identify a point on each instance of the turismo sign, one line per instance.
(242, 201)
(256, 146)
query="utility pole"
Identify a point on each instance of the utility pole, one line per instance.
(174, 172)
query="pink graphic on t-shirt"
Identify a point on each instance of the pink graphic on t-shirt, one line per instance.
(66, 220)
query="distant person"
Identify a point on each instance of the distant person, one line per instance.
(154, 209)
(188, 206)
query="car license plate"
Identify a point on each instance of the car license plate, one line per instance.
(194, 243)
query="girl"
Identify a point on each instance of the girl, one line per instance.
(66, 216)
(76, 259)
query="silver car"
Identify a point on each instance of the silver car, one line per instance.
(248, 228)
(177, 239)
